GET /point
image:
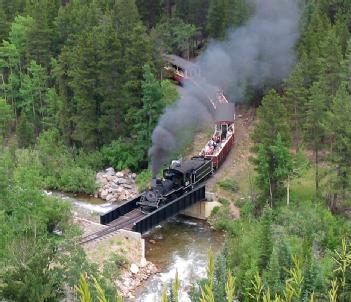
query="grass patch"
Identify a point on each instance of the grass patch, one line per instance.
(229, 185)
(224, 201)
(304, 187)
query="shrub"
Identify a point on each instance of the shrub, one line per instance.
(113, 266)
(62, 169)
(25, 132)
(121, 155)
(143, 180)
(92, 160)
(247, 209)
(229, 185)
(77, 179)
(224, 201)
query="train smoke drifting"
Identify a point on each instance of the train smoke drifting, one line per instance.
(259, 54)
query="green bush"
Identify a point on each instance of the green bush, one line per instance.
(143, 180)
(113, 266)
(224, 201)
(92, 160)
(229, 185)
(25, 132)
(121, 155)
(62, 169)
(77, 179)
(247, 209)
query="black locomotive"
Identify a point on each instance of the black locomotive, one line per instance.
(180, 177)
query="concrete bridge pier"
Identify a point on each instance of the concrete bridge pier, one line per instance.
(202, 209)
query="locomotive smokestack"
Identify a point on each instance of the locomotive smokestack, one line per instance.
(258, 54)
(154, 182)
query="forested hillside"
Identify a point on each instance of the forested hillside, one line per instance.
(81, 88)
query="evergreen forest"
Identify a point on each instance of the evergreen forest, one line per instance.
(82, 88)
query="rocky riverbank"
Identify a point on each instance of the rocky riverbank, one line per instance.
(116, 186)
(135, 277)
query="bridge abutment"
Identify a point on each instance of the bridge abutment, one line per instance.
(202, 209)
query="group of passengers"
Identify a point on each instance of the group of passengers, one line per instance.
(211, 146)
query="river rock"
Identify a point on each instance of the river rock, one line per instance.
(120, 174)
(134, 268)
(122, 181)
(110, 197)
(127, 186)
(143, 263)
(113, 186)
(116, 186)
(110, 171)
(104, 194)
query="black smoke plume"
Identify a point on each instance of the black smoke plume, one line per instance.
(258, 54)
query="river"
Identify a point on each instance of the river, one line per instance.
(181, 245)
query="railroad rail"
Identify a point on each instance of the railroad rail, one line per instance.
(137, 221)
(124, 222)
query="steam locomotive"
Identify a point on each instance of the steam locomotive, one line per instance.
(178, 179)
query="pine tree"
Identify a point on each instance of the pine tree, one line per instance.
(272, 119)
(342, 30)
(315, 125)
(150, 11)
(6, 117)
(237, 13)
(73, 19)
(221, 274)
(41, 40)
(340, 126)
(295, 102)
(331, 63)
(310, 44)
(285, 259)
(153, 104)
(25, 132)
(272, 275)
(136, 52)
(266, 238)
(95, 74)
(216, 25)
(193, 12)
(4, 25)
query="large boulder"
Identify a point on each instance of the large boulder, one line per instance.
(134, 268)
(110, 171)
(120, 174)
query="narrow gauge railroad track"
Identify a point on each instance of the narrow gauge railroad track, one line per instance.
(124, 222)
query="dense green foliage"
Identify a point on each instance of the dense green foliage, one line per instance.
(81, 88)
(264, 252)
(86, 71)
(304, 114)
(35, 230)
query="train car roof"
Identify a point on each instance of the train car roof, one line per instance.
(180, 62)
(189, 165)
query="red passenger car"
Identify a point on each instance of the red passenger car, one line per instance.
(223, 138)
(179, 69)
